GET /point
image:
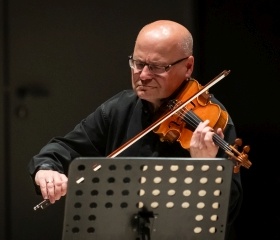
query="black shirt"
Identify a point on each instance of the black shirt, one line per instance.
(110, 126)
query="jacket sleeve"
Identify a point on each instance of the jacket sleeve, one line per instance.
(60, 151)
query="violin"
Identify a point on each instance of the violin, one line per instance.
(192, 106)
(179, 126)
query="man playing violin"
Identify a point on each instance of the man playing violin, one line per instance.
(161, 63)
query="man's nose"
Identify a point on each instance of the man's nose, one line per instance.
(145, 73)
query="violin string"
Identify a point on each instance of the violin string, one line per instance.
(191, 118)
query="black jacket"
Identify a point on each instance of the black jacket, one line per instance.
(111, 125)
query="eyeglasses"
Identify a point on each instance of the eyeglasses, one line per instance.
(139, 66)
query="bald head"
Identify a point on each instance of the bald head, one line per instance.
(162, 60)
(165, 36)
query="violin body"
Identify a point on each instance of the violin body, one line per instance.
(180, 126)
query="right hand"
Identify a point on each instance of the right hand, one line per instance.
(53, 184)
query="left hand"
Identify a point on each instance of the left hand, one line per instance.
(53, 185)
(202, 144)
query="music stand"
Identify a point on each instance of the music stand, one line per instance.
(147, 198)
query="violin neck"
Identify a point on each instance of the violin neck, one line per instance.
(221, 142)
(192, 121)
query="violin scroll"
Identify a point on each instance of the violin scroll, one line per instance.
(241, 158)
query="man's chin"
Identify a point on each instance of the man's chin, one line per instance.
(144, 95)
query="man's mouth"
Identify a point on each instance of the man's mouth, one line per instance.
(144, 86)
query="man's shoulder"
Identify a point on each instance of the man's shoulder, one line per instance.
(216, 101)
(125, 96)
(122, 100)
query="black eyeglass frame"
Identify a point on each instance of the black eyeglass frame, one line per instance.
(166, 68)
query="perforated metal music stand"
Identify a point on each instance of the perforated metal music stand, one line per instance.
(147, 198)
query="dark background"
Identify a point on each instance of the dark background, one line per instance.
(61, 59)
(244, 36)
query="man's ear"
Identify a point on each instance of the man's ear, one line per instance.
(190, 66)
